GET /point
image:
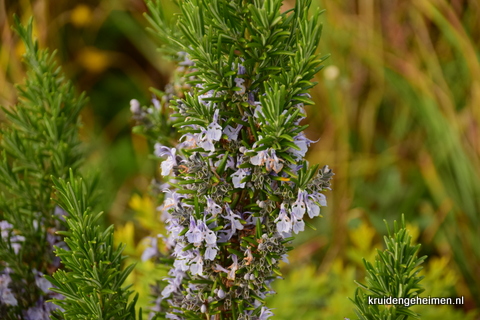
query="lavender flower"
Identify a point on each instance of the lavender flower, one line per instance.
(41, 282)
(303, 143)
(239, 82)
(6, 295)
(7, 235)
(284, 224)
(135, 107)
(211, 134)
(237, 178)
(232, 133)
(233, 222)
(212, 208)
(152, 250)
(5, 229)
(194, 234)
(167, 165)
(265, 313)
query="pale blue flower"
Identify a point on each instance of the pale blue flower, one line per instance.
(284, 224)
(241, 69)
(257, 112)
(299, 207)
(298, 225)
(189, 140)
(5, 228)
(259, 159)
(313, 209)
(232, 133)
(172, 316)
(37, 313)
(173, 228)
(181, 263)
(230, 163)
(248, 256)
(211, 252)
(239, 83)
(303, 143)
(265, 313)
(151, 250)
(6, 295)
(174, 283)
(313, 202)
(135, 106)
(219, 268)
(41, 282)
(211, 134)
(194, 234)
(60, 213)
(170, 162)
(233, 221)
(172, 201)
(238, 176)
(186, 61)
(196, 266)
(205, 143)
(16, 242)
(273, 162)
(233, 268)
(302, 113)
(210, 236)
(212, 208)
(156, 103)
(202, 98)
(42, 310)
(308, 203)
(182, 258)
(214, 130)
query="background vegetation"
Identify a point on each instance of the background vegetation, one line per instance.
(397, 113)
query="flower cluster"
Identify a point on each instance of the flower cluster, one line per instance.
(12, 285)
(238, 185)
(43, 308)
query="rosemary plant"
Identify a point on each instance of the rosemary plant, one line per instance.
(92, 279)
(395, 275)
(238, 183)
(39, 140)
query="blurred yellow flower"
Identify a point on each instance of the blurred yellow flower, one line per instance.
(20, 49)
(93, 59)
(81, 15)
(126, 234)
(146, 214)
(362, 237)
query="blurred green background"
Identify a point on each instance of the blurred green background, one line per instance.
(397, 113)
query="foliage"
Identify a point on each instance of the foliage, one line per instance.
(42, 143)
(239, 185)
(395, 275)
(308, 290)
(92, 280)
(39, 141)
(401, 97)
